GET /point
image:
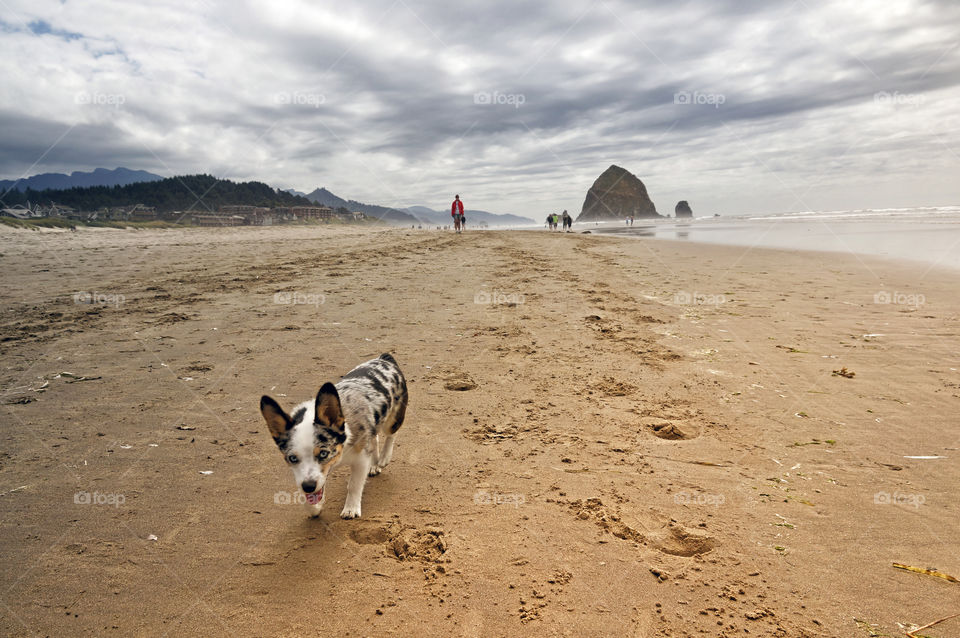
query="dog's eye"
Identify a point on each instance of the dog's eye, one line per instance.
(323, 454)
(292, 459)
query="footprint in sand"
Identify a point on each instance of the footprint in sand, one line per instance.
(459, 382)
(678, 540)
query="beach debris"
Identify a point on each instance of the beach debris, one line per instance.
(843, 372)
(186, 427)
(870, 628)
(802, 415)
(928, 572)
(924, 458)
(661, 574)
(814, 442)
(152, 537)
(913, 632)
(792, 350)
(75, 378)
(205, 472)
(672, 432)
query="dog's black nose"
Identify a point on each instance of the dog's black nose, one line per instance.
(308, 487)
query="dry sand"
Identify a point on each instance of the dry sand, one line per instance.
(585, 454)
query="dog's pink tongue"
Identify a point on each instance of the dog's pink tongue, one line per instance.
(314, 498)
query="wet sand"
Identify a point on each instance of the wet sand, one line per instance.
(606, 436)
(931, 237)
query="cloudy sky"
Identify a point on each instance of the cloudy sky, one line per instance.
(735, 105)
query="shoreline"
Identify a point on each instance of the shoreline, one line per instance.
(640, 231)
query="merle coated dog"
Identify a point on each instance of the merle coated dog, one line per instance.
(343, 424)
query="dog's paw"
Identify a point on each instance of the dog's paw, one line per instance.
(374, 470)
(349, 512)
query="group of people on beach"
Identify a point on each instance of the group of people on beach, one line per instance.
(553, 220)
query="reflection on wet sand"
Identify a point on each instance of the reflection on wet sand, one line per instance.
(932, 237)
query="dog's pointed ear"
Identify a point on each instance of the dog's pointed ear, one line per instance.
(327, 407)
(277, 420)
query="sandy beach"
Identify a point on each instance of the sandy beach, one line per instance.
(606, 436)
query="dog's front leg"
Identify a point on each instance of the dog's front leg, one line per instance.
(358, 477)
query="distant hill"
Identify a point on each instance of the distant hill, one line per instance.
(325, 197)
(392, 215)
(442, 217)
(79, 179)
(166, 195)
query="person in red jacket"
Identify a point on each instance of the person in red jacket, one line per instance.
(456, 210)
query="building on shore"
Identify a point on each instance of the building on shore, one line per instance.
(19, 212)
(142, 213)
(266, 217)
(304, 212)
(217, 219)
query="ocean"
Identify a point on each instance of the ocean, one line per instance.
(930, 235)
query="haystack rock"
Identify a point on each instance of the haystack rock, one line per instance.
(617, 194)
(683, 209)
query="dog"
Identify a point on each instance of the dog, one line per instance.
(343, 424)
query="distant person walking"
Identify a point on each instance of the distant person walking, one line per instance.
(567, 221)
(456, 211)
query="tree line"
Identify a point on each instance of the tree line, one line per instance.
(185, 193)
